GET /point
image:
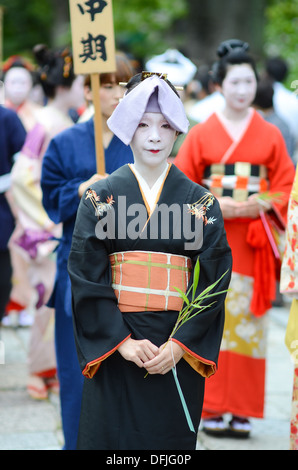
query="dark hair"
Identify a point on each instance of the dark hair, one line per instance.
(231, 52)
(138, 78)
(277, 69)
(264, 94)
(123, 73)
(55, 68)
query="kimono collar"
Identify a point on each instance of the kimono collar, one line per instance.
(152, 95)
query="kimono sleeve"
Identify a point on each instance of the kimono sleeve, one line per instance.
(16, 133)
(188, 159)
(60, 189)
(98, 324)
(281, 172)
(289, 268)
(25, 180)
(201, 336)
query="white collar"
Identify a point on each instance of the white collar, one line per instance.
(150, 193)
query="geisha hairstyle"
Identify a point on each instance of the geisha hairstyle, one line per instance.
(55, 68)
(231, 52)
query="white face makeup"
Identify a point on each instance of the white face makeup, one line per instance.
(153, 141)
(239, 86)
(18, 84)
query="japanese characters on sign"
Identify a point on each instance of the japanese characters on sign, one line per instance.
(93, 40)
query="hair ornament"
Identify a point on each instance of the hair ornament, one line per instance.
(162, 76)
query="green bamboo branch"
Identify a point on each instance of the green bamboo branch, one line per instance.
(194, 306)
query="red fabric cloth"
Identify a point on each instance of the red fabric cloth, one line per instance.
(230, 391)
(12, 305)
(264, 269)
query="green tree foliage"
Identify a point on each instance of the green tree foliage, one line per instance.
(26, 23)
(281, 33)
(143, 27)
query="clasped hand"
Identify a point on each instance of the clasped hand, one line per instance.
(156, 360)
(232, 209)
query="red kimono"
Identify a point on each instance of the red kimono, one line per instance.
(255, 163)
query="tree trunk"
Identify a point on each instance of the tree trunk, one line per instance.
(211, 21)
(60, 26)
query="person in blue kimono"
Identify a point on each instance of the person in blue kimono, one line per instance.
(69, 167)
(12, 137)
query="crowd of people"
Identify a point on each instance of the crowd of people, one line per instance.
(220, 140)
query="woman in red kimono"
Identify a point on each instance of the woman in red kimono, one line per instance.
(238, 155)
(126, 258)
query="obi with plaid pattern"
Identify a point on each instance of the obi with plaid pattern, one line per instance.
(238, 180)
(146, 281)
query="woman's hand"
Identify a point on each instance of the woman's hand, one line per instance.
(84, 186)
(251, 208)
(163, 362)
(138, 351)
(228, 207)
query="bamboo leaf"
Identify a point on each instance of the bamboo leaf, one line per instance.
(213, 294)
(195, 278)
(184, 297)
(209, 288)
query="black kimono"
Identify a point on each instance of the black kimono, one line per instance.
(123, 409)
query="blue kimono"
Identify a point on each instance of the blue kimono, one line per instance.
(69, 161)
(12, 137)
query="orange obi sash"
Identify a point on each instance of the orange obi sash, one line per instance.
(145, 280)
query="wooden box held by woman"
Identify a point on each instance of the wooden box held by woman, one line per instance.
(124, 263)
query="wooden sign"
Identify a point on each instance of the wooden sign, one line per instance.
(93, 47)
(92, 30)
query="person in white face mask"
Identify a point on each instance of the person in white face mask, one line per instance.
(18, 85)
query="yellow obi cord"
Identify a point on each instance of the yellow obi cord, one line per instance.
(145, 281)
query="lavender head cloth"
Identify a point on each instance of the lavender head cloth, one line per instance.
(152, 95)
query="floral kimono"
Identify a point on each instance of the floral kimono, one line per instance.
(257, 162)
(289, 286)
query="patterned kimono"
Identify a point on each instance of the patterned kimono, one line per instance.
(289, 286)
(31, 244)
(123, 270)
(257, 162)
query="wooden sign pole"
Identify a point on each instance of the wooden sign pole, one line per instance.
(100, 156)
(93, 45)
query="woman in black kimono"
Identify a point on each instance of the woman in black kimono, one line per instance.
(138, 235)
